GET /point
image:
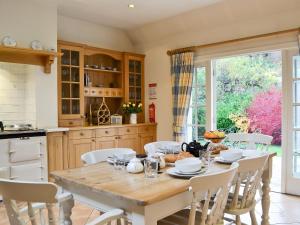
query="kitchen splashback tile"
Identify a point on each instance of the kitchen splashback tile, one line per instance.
(17, 93)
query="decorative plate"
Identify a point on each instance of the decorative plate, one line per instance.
(175, 173)
(36, 45)
(9, 41)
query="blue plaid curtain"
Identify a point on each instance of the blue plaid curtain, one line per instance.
(182, 68)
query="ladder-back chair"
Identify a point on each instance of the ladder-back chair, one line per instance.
(213, 186)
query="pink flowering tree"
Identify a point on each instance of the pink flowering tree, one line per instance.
(265, 114)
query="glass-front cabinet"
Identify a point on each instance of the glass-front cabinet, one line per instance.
(134, 80)
(70, 86)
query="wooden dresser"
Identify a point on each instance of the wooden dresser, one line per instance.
(65, 148)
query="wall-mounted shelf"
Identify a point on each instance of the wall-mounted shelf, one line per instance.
(28, 56)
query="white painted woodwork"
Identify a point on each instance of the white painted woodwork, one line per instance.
(250, 141)
(44, 193)
(215, 189)
(246, 183)
(101, 155)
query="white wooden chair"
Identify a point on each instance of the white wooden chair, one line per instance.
(101, 155)
(46, 193)
(162, 146)
(249, 141)
(242, 199)
(213, 186)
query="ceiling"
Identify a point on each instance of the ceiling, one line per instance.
(115, 13)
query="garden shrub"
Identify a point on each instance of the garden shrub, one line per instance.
(265, 114)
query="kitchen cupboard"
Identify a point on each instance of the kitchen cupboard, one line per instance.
(70, 86)
(77, 148)
(57, 144)
(89, 76)
(129, 141)
(134, 80)
(82, 140)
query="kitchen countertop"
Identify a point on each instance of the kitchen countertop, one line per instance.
(57, 129)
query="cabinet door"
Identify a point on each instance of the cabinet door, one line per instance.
(57, 147)
(70, 83)
(134, 80)
(77, 148)
(145, 139)
(128, 141)
(106, 142)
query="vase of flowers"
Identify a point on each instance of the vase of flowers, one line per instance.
(132, 109)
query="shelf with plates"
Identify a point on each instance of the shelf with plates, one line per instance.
(28, 56)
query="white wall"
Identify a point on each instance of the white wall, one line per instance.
(212, 24)
(26, 21)
(79, 31)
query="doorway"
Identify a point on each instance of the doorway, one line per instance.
(248, 92)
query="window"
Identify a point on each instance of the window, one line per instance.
(197, 111)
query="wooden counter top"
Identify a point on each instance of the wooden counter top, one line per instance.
(112, 126)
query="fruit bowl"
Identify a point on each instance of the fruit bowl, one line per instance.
(214, 136)
(216, 140)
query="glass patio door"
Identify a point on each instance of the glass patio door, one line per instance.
(292, 114)
(200, 114)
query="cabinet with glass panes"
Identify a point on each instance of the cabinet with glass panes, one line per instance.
(103, 80)
(70, 86)
(134, 80)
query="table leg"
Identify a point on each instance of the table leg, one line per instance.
(67, 207)
(266, 193)
(139, 219)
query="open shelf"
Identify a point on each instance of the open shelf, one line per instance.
(100, 70)
(28, 56)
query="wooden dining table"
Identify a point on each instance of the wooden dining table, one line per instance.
(144, 200)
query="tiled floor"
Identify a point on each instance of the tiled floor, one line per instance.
(285, 210)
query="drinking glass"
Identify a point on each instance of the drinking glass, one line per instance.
(119, 164)
(204, 156)
(151, 167)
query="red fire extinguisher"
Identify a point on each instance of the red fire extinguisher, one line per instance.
(152, 113)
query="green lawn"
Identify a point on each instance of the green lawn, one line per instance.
(276, 148)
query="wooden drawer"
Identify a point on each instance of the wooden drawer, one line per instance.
(146, 129)
(80, 134)
(128, 130)
(70, 123)
(106, 132)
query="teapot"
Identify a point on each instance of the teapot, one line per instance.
(194, 147)
(135, 166)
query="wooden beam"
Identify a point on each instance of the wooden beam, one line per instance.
(195, 48)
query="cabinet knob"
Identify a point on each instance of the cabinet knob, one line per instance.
(81, 134)
(71, 123)
(128, 130)
(106, 132)
(93, 140)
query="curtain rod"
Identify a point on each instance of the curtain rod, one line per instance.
(195, 48)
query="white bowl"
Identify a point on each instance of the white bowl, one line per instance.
(231, 155)
(188, 165)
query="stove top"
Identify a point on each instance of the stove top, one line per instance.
(18, 127)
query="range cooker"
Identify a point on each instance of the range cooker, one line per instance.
(23, 153)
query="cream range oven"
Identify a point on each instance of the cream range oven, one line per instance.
(23, 155)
